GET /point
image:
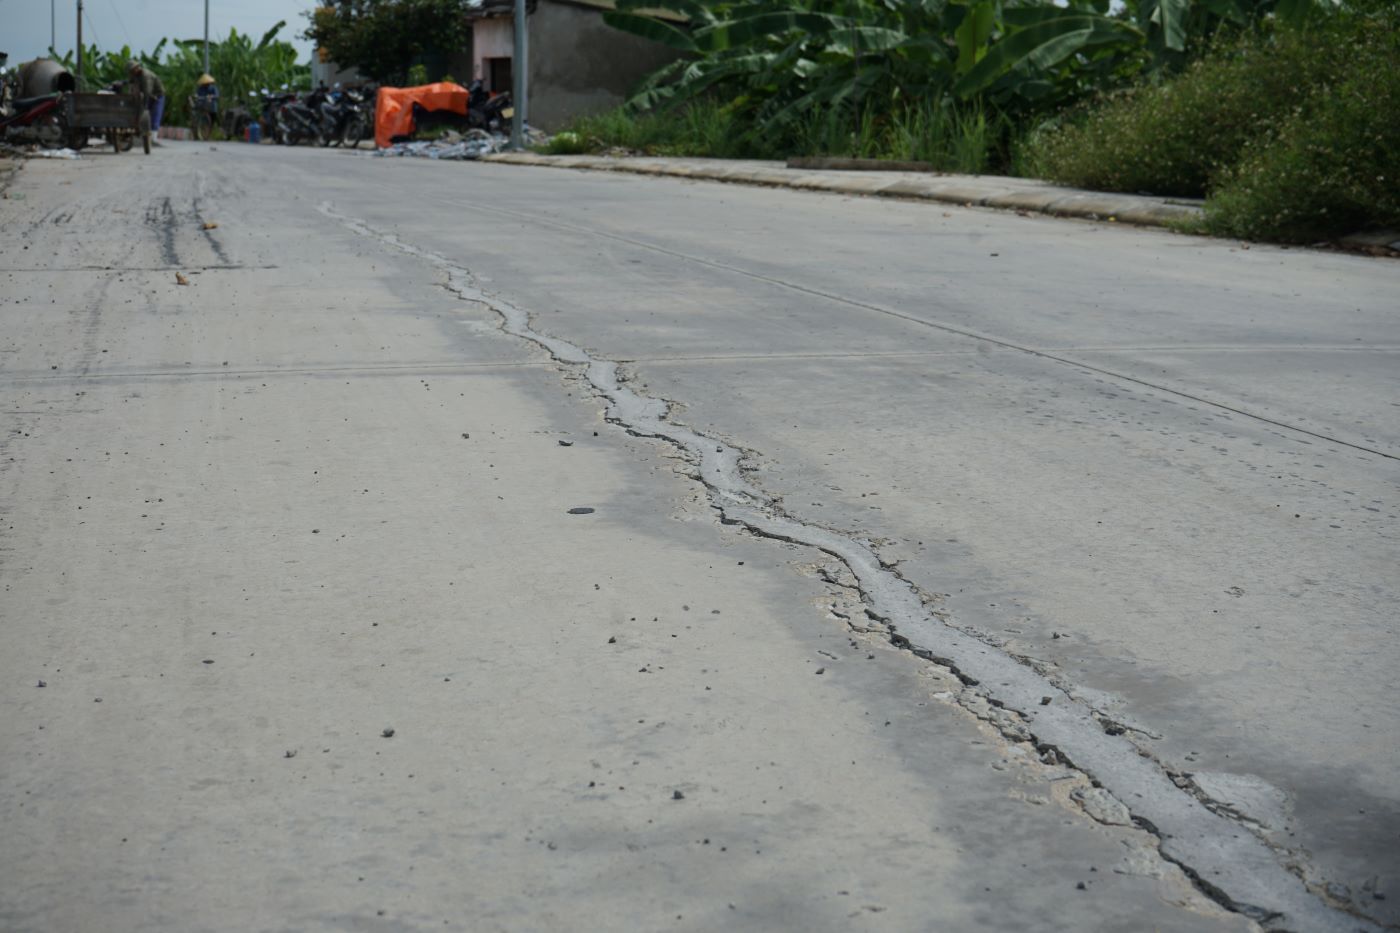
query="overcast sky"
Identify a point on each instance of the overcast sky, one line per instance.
(110, 24)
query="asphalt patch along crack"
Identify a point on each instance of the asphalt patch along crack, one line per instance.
(1226, 860)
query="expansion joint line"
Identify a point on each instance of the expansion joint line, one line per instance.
(1228, 863)
(1004, 344)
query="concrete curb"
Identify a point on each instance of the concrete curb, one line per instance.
(1019, 194)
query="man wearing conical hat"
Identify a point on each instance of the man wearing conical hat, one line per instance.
(206, 96)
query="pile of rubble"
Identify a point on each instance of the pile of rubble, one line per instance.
(460, 146)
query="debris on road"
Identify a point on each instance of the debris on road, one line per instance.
(38, 152)
(473, 145)
(181, 280)
(454, 146)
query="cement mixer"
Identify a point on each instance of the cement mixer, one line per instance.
(44, 76)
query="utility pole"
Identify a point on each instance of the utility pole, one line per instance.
(79, 76)
(519, 67)
(53, 30)
(206, 36)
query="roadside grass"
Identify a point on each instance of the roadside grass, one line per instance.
(952, 139)
(1290, 135)
(1332, 166)
(1176, 136)
(702, 129)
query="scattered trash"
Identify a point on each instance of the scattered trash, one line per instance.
(181, 280)
(210, 225)
(54, 154)
(474, 145)
(581, 510)
(388, 732)
(677, 795)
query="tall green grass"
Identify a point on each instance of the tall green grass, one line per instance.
(1290, 134)
(969, 139)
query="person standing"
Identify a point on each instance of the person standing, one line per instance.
(147, 82)
(206, 93)
(204, 107)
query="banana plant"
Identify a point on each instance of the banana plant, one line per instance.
(780, 59)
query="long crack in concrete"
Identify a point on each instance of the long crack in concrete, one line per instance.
(1220, 854)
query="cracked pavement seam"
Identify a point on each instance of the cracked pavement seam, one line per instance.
(1214, 847)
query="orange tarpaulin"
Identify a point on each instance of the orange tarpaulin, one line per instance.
(393, 110)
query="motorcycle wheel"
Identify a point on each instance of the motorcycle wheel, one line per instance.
(352, 133)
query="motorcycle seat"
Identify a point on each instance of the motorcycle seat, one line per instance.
(24, 103)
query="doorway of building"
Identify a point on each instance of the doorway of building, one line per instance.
(498, 74)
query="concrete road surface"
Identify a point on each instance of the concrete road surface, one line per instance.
(480, 547)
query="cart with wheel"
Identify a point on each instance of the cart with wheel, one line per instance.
(121, 119)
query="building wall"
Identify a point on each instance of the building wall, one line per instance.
(330, 73)
(579, 65)
(491, 38)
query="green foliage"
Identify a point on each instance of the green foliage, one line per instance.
(782, 62)
(701, 129)
(384, 39)
(953, 139)
(237, 63)
(1180, 136)
(861, 75)
(1173, 138)
(1331, 166)
(1292, 133)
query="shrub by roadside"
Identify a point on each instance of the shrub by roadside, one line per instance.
(704, 128)
(1292, 135)
(1332, 167)
(1173, 138)
(966, 139)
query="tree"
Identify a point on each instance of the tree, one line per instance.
(383, 38)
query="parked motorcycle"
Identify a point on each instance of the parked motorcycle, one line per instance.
(236, 120)
(299, 119)
(270, 103)
(36, 119)
(487, 112)
(32, 103)
(343, 117)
